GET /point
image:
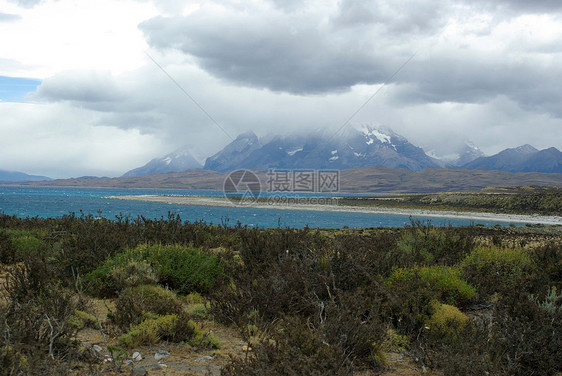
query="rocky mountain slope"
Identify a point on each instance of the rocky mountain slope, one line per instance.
(352, 148)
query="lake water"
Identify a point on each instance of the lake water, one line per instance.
(44, 202)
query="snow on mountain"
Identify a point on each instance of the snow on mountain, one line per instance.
(457, 154)
(354, 147)
(179, 160)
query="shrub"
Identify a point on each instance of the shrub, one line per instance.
(134, 273)
(185, 269)
(546, 263)
(36, 321)
(182, 268)
(26, 244)
(443, 279)
(526, 337)
(493, 269)
(174, 328)
(135, 303)
(552, 302)
(198, 310)
(446, 321)
(81, 319)
(194, 298)
(7, 249)
(427, 244)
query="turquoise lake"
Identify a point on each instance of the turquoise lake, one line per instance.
(24, 201)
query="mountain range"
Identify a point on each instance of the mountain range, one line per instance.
(354, 147)
(366, 179)
(521, 159)
(15, 176)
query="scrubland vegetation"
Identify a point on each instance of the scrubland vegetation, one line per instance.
(457, 301)
(513, 200)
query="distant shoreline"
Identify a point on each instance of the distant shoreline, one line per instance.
(224, 202)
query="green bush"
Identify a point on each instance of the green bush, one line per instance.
(135, 303)
(493, 269)
(17, 244)
(184, 269)
(427, 244)
(445, 280)
(134, 273)
(7, 249)
(26, 244)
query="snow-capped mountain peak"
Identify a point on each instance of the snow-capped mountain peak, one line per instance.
(177, 161)
(358, 146)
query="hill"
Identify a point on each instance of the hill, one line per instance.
(366, 179)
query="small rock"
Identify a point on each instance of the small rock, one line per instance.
(97, 348)
(161, 354)
(158, 366)
(137, 357)
(206, 357)
(139, 371)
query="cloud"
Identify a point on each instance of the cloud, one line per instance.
(26, 3)
(273, 50)
(7, 17)
(288, 5)
(465, 55)
(535, 6)
(58, 140)
(93, 88)
(397, 17)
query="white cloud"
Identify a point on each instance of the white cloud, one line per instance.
(69, 35)
(58, 140)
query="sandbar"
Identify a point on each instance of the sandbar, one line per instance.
(291, 205)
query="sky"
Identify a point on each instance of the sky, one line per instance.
(99, 88)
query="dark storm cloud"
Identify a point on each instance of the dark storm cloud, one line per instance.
(271, 53)
(364, 42)
(400, 17)
(6, 17)
(531, 6)
(472, 79)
